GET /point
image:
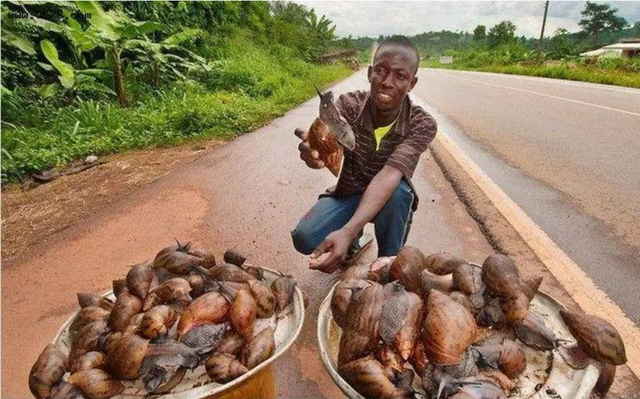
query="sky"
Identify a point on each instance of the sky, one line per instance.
(359, 18)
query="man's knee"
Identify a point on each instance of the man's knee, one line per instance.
(302, 240)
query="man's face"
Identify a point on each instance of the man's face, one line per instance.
(392, 76)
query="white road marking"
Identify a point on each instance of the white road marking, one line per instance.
(545, 80)
(550, 96)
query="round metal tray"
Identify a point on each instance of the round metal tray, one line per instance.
(196, 383)
(547, 375)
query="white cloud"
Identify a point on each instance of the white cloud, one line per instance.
(410, 18)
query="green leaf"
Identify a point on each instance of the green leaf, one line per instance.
(67, 4)
(67, 75)
(67, 81)
(18, 41)
(180, 37)
(97, 72)
(105, 24)
(140, 28)
(98, 87)
(6, 154)
(44, 24)
(5, 91)
(50, 90)
(46, 67)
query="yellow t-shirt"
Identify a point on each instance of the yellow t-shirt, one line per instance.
(380, 132)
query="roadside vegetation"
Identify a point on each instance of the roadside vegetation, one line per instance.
(619, 72)
(82, 78)
(498, 49)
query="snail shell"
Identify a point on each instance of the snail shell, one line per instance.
(500, 275)
(157, 320)
(380, 268)
(515, 308)
(367, 376)
(323, 140)
(265, 299)
(467, 279)
(596, 336)
(223, 368)
(442, 263)
(231, 344)
(47, 371)
(342, 298)
(139, 279)
(234, 257)
(88, 361)
(166, 292)
(360, 335)
(96, 384)
(243, 313)
(229, 273)
(90, 299)
(176, 259)
(125, 356)
(430, 281)
(87, 339)
(448, 330)
(127, 305)
(88, 315)
(407, 267)
(283, 288)
(208, 308)
(259, 349)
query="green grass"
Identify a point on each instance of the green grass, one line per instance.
(568, 71)
(245, 91)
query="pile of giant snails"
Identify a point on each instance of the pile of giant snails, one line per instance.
(459, 329)
(169, 316)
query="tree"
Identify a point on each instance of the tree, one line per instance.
(599, 17)
(561, 45)
(113, 31)
(480, 34)
(502, 33)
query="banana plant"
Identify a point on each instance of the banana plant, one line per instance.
(167, 59)
(71, 79)
(11, 35)
(113, 31)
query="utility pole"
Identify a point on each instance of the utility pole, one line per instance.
(544, 21)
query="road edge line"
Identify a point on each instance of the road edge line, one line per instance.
(573, 279)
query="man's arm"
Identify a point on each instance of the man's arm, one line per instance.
(373, 200)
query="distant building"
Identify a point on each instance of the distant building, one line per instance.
(625, 48)
(602, 53)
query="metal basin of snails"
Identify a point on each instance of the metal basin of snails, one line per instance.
(183, 339)
(386, 365)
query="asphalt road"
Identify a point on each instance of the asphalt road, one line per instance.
(566, 152)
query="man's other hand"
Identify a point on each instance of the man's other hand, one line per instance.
(310, 156)
(337, 246)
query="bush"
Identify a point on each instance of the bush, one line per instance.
(241, 93)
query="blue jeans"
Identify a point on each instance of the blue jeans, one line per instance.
(331, 213)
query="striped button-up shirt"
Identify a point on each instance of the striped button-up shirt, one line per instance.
(401, 148)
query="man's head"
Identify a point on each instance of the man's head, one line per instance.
(393, 73)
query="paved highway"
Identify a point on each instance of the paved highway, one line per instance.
(566, 152)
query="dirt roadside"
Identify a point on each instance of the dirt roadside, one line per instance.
(32, 216)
